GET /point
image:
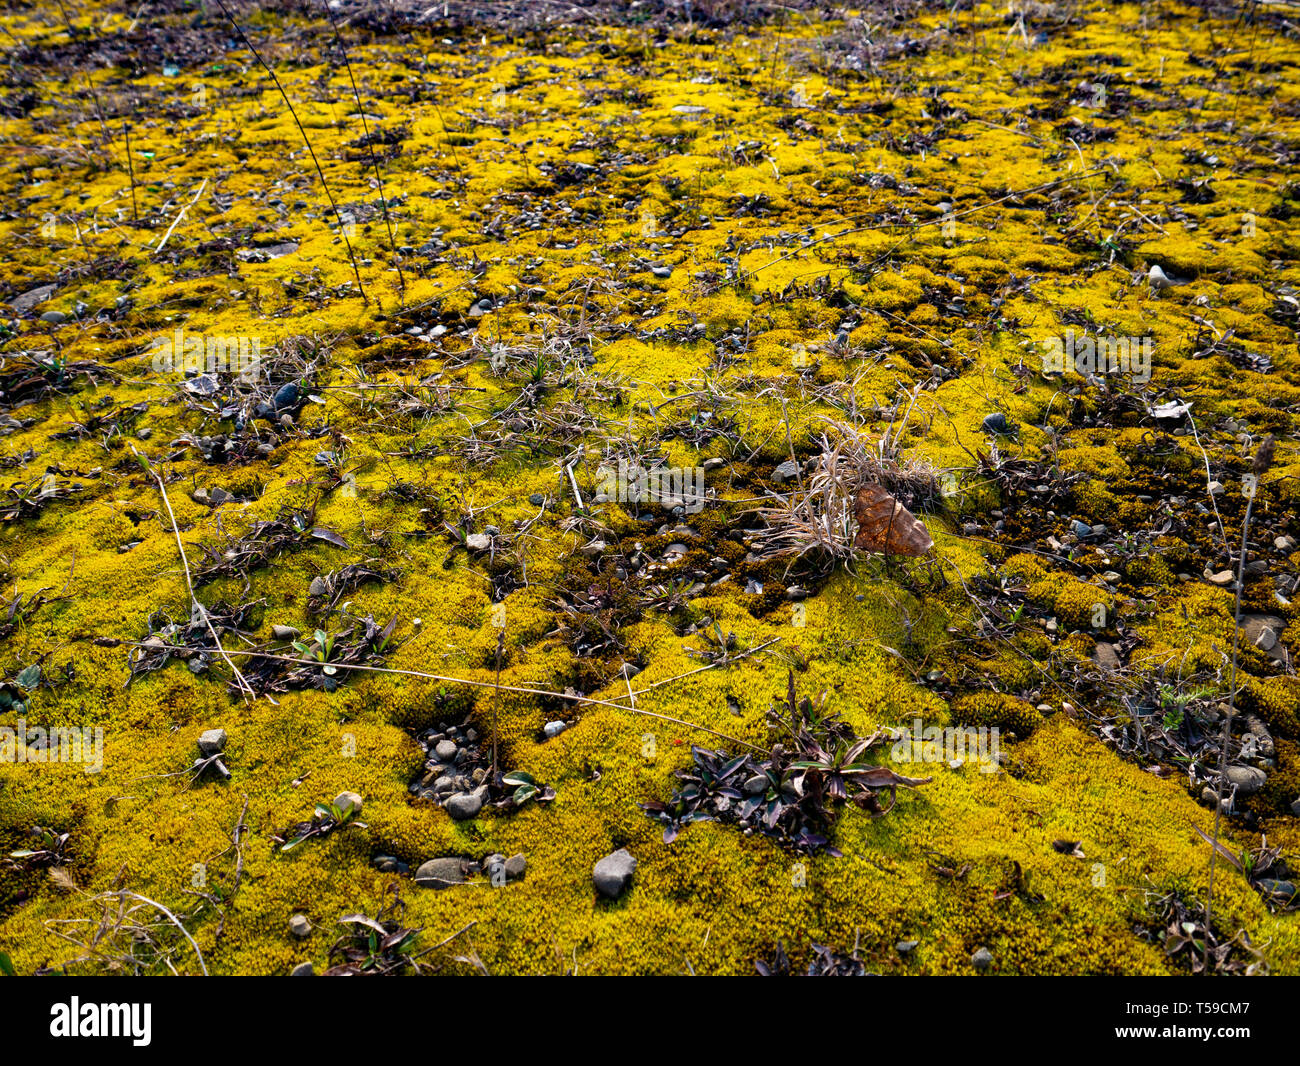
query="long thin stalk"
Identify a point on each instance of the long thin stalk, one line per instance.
(1263, 460)
(492, 685)
(374, 159)
(195, 606)
(305, 140)
(496, 693)
(130, 166)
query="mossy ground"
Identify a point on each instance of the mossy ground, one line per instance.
(793, 197)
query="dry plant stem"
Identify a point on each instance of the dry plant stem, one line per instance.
(202, 185)
(130, 165)
(195, 605)
(447, 940)
(789, 440)
(496, 692)
(1227, 724)
(1209, 477)
(121, 896)
(574, 483)
(374, 159)
(174, 920)
(311, 151)
(489, 684)
(99, 111)
(700, 669)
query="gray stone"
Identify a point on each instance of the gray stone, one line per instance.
(440, 873)
(553, 729)
(478, 542)
(303, 969)
(346, 801)
(785, 471)
(906, 947)
(299, 926)
(24, 303)
(1263, 738)
(982, 959)
(212, 741)
(614, 873)
(516, 867)
(445, 749)
(463, 805)
(1107, 657)
(1262, 630)
(1247, 779)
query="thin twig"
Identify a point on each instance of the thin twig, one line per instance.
(1259, 466)
(573, 698)
(496, 693)
(374, 159)
(195, 606)
(1209, 478)
(130, 166)
(202, 185)
(310, 150)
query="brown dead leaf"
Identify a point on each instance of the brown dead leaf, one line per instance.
(885, 525)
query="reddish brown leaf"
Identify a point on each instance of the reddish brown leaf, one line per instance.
(884, 777)
(885, 525)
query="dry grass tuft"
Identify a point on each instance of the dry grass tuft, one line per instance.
(819, 520)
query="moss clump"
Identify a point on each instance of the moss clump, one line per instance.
(997, 709)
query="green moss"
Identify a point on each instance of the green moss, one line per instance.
(825, 243)
(997, 709)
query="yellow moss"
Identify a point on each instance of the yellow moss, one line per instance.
(826, 242)
(997, 709)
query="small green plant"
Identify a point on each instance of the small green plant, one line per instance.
(375, 947)
(322, 649)
(526, 788)
(327, 819)
(48, 849)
